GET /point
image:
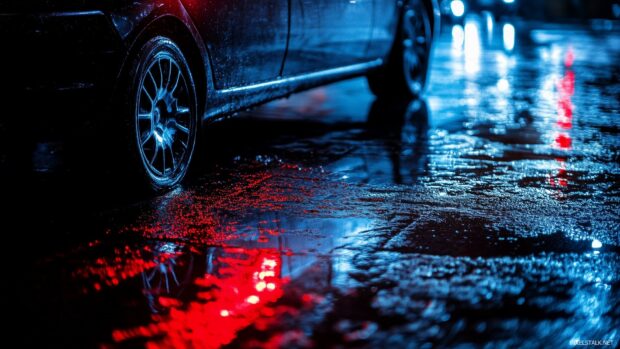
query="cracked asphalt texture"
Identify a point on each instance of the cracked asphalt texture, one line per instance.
(484, 215)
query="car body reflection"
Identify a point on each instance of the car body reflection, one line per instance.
(404, 141)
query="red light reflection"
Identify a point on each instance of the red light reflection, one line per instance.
(231, 297)
(192, 306)
(569, 58)
(560, 178)
(208, 222)
(563, 139)
(124, 263)
(566, 89)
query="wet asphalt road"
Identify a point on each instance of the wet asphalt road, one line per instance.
(485, 215)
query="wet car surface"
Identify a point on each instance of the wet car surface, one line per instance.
(485, 215)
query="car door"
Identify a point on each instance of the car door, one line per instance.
(327, 34)
(246, 39)
(385, 22)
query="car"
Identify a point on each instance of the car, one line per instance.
(159, 70)
(500, 9)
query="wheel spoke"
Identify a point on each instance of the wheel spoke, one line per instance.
(182, 128)
(163, 157)
(152, 275)
(153, 80)
(176, 83)
(146, 281)
(148, 94)
(169, 73)
(145, 116)
(174, 161)
(154, 157)
(148, 137)
(161, 75)
(182, 111)
(174, 276)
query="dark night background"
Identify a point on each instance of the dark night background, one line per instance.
(551, 10)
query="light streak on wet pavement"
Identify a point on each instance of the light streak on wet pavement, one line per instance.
(484, 215)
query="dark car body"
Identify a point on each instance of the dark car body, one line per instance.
(242, 52)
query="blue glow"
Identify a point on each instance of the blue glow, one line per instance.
(509, 36)
(490, 22)
(458, 8)
(458, 35)
(472, 48)
(503, 85)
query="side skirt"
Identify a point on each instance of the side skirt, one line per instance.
(225, 102)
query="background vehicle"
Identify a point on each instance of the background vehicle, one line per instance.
(165, 67)
(455, 11)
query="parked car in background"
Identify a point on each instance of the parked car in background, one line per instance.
(455, 11)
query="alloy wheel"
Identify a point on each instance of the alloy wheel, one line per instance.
(416, 47)
(165, 121)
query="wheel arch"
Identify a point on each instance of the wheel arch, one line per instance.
(189, 42)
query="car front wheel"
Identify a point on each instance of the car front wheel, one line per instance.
(163, 117)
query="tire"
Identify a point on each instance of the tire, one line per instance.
(405, 72)
(160, 110)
